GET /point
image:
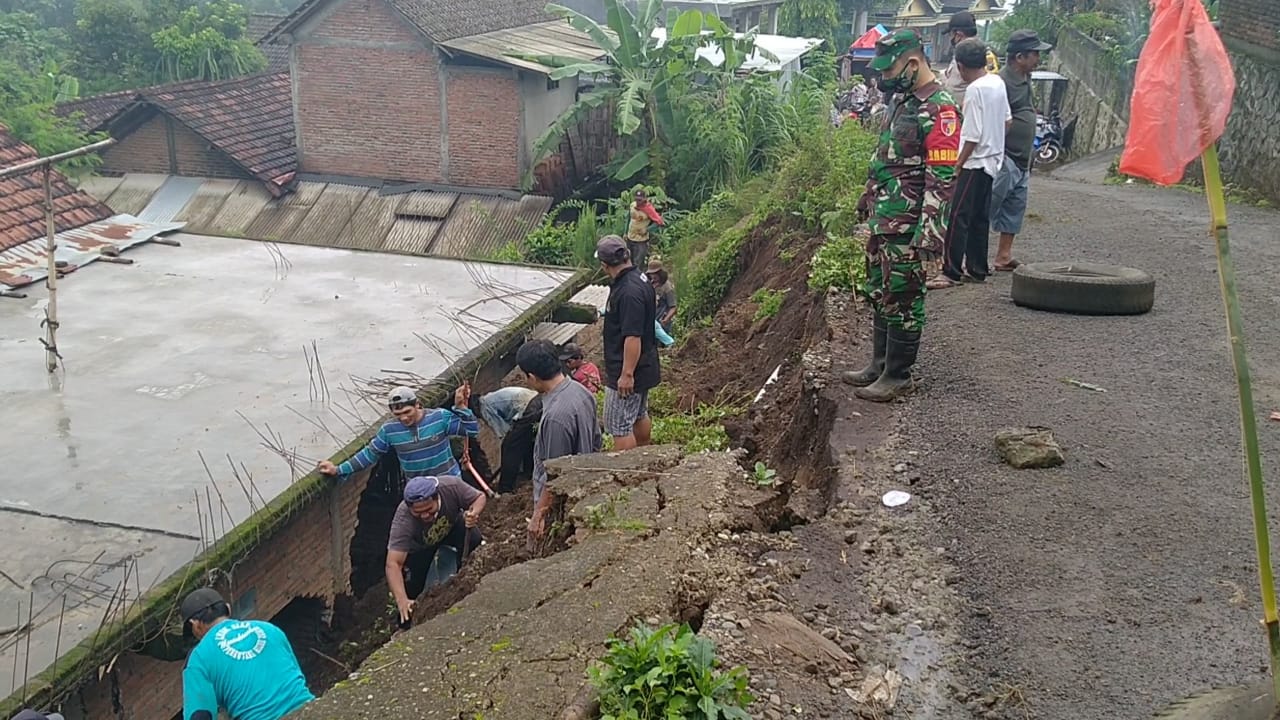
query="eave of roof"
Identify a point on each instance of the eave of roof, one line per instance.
(513, 46)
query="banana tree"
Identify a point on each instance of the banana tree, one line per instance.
(636, 73)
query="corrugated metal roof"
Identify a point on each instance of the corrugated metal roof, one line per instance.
(329, 214)
(412, 235)
(548, 39)
(480, 225)
(426, 204)
(28, 263)
(371, 223)
(240, 208)
(278, 219)
(596, 295)
(134, 192)
(558, 333)
(422, 222)
(203, 207)
(169, 200)
(99, 186)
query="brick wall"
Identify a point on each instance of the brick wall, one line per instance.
(367, 96)
(299, 561)
(484, 127)
(147, 150)
(1253, 21)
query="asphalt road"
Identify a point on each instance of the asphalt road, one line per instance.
(1126, 578)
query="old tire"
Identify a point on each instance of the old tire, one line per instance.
(1083, 288)
(1254, 702)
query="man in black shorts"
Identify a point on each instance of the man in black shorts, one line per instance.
(631, 367)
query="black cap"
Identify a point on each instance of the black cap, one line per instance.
(197, 602)
(1026, 41)
(612, 250)
(570, 351)
(963, 21)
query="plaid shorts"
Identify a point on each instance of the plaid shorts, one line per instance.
(622, 413)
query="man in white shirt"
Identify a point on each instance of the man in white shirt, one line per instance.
(986, 116)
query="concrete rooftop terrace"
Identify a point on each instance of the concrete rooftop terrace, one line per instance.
(187, 351)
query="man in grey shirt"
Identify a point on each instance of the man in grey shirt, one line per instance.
(1009, 190)
(569, 425)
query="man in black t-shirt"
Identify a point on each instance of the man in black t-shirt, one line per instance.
(630, 347)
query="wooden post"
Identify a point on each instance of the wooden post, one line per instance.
(51, 280)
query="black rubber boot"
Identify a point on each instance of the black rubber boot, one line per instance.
(896, 380)
(872, 372)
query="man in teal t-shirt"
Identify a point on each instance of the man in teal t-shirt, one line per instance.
(245, 667)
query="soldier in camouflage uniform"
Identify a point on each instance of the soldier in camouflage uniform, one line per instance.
(906, 199)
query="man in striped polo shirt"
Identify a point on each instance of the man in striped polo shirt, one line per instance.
(420, 437)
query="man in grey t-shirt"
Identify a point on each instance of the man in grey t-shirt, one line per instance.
(1009, 191)
(436, 511)
(569, 425)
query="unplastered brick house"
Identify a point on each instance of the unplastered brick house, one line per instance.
(426, 91)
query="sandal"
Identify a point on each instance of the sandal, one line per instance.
(940, 282)
(1007, 267)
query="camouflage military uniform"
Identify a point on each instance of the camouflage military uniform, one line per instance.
(906, 201)
(907, 198)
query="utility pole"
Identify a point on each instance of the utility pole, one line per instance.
(45, 165)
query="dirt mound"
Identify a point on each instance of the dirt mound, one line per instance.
(731, 360)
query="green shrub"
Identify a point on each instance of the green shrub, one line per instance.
(839, 263)
(768, 302)
(668, 673)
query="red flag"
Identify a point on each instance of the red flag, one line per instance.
(1181, 94)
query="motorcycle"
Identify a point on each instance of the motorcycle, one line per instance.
(1048, 142)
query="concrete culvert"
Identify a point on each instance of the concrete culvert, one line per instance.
(1083, 288)
(1242, 702)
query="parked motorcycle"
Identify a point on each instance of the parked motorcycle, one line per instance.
(1048, 143)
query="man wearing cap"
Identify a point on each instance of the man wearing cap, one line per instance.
(631, 367)
(436, 511)
(962, 26)
(512, 413)
(666, 292)
(569, 425)
(1009, 191)
(580, 369)
(907, 201)
(419, 436)
(641, 213)
(245, 667)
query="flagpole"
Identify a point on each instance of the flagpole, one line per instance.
(1248, 419)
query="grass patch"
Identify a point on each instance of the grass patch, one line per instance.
(768, 303)
(840, 263)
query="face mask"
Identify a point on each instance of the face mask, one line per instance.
(904, 81)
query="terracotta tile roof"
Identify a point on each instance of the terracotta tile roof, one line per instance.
(443, 20)
(22, 199)
(277, 55)
(250, 119)
(98, 110)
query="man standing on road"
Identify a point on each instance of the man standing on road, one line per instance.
(986, 117)
(513, 414)
(1009, 191)
(568, 427)
(435, 511)
(907, 200)
(631, 366)
(420, 437)
(245, 667)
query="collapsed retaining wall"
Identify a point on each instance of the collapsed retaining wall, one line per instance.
(518, 646)
(1251, 144)
(297, 546)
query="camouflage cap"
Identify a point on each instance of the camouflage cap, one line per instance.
(891, 47)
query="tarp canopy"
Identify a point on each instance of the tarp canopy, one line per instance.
(865, 46)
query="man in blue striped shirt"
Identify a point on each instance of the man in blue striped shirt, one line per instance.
(420, 437)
